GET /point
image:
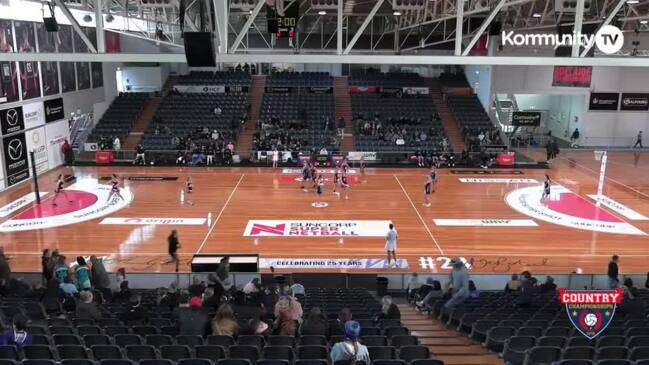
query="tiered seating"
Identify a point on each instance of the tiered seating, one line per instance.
(299, 79)
(451, 80)
(297, 120)
(227, 78)
(181, 115)
(118, 120)
(541, 332)
(109, 341)
(473, 120)
(414, 114)
(390, 79)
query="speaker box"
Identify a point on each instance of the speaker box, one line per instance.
(51, 25)
(199, 49)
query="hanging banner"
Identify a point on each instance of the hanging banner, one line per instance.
(526, 119)
(278, 89)
(391, 90)
(603, 101)
(634, 101)
(200, 89)
(54, 110)
(416, 90)
(321, 89)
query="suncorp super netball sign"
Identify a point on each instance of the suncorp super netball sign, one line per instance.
(316, 228)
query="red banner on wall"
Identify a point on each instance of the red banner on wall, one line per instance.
(362, 89)
(112, 41)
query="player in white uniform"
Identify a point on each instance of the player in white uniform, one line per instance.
(429, 186)
(114, 181)
(319, 188)
(546, 189)
(59, 190)
(391, 245)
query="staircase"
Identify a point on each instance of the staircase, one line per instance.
(141, 123)
(248, 129)
(449, 122)
(452, 347)
(344, 109)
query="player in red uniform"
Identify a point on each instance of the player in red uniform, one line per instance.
(114, 181)
(58, 190)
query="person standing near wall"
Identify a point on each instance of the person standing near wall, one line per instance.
(574, 138)
(638, 141)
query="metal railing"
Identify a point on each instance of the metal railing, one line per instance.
(81, 129)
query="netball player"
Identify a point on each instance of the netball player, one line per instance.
(344, 184)
(336, 180)
(361, 164)
(189, 188)
(306, 174)
(319, 188)
(391, 245)
(314, 175)
(546, 189)
(429, 186)
(114, 181)
(59, 190)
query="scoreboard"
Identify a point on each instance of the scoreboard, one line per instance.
(283, 23)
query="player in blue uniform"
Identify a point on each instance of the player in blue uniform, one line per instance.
(114, 181)
(429, 186)
(546, 189)
(306, 174)
(59, 190)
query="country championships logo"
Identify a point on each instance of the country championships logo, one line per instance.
(608, 40)
(590, 311)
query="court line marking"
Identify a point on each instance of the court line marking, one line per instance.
(216, 220)
(606, 177)
(419, 215)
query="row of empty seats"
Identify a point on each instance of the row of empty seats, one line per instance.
(119, 118)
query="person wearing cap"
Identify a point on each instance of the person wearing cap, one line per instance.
(350, 349)
(459, 285)
(194, 321)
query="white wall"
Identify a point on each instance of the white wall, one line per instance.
(479, 77)
(142, 79)
(597, 127)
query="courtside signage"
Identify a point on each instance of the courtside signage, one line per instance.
(590, 311)
(328, 264)
(288, 170)
(316, 228)
(486, 222)
(155, 221)
(497, 180)
(619, 207)
(18, 204)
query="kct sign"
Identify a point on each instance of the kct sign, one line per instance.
(316, 228)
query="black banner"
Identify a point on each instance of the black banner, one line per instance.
(240, 89)
(526, 119)
(321, 89)
(390, 90)
(11, 120)
(603, 101)
(634, 101)
(15, 156)
(53, 110)
(278, 89)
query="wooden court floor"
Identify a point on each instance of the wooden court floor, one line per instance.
(235, 196)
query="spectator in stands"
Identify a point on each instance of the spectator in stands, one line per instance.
(612, 273)
(337, 327)
(210, 301)
(83, 274)
(638, 140)
(473, 290)
(459, 285)
(46, 266)
(124, 294)
(68, 286)
(68, 154)
(139, 155)
(18, 336)
(218, 110)
(120, 277)
(285, 324)
(316, 324)
(341, 127)
(527, 290)
(290, 304)
(197, 288)
(257, 326)
(136, 312)
(222, 276)
(224, 322)
(117, 145)
(389, 310)
(52, 297)
(350, 349)
(513, 284)
(86, 308)
(430, 291)
(252, 286)
(298, 289)
(413, 285)
(169, 297)
(5, 269)
(99, 276)
(574, 138)
(61, 270)
(632, 303)
(193, 322)
(549, 286)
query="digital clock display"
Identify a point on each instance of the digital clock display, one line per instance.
(283, 22)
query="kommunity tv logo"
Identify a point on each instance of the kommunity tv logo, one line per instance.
(609, 39)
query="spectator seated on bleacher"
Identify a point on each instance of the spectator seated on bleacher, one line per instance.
(350, 348)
